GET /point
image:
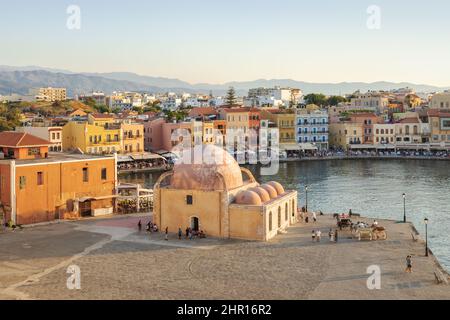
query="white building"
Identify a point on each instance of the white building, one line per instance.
(312, 127)
(275, 97)
(440, 100)
(373, 101)
(384, 133)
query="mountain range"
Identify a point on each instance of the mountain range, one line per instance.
(20, 79)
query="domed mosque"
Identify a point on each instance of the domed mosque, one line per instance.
(215, 195)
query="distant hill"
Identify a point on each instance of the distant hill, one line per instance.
(21, 79)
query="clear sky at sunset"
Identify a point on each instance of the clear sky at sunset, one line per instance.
(217, 41)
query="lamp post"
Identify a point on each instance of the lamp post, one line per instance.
(404, 208)
(426, 236)
(306, 206)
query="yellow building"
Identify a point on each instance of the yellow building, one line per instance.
(208, 132)
(92, 139)
(345, 133)
(101, 134)
(133, 137)
(221, 199)
(285, 122)
(237, 118)
(440, 126)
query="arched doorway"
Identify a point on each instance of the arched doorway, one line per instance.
(195, 224)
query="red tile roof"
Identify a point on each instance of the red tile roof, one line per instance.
(202, 111)
(409, 120)
(102, 116)
(21, 139)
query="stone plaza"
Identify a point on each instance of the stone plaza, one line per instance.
(116, 261)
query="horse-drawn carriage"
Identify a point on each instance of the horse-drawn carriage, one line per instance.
(344, 221)
(369, 234)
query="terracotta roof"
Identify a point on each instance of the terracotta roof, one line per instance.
(202, 111)
(20, 139)
(102, 116)
(235, 110)
(409, 120)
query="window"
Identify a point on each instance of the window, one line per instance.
(293, 208)
(33, 151)
(85, 175)
(189, 200)
(286, 212)
(40, 178)
(104, 174)
(279, 217)
(22, 182)
(270, 221)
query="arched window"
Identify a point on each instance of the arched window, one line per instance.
(270, 221)
(293, 208)
(279, 217)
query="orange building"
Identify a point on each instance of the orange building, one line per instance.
(38, 188)
(367, 120)
(21, 145)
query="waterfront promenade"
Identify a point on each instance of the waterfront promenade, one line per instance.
(118, 262)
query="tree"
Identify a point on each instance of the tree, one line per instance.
(335, 100)
(231, 96)
(316, 98)
(102, 108)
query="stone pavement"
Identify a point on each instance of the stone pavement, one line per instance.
(118, 262)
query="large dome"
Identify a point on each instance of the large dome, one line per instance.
(207, 168)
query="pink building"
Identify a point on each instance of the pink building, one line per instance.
(158, 134)
(153, 140)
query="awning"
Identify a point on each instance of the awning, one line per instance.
(146, 156)
(361, 146)
(84, 199)
(121, 158)
(307, 147)
(290, 147)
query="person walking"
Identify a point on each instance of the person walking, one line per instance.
(336, 236)
(313, 235)
(319, 235)
(408, 264)
(180, 233)
(331, 235)
(187, 233)
(166, 237)
(140, 225)
(315, 217)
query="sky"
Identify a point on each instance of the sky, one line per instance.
(217, 41)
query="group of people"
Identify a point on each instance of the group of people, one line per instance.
(190, 233)
(333, 236)
(150, 227)
(305, 216)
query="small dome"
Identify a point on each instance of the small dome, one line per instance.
(248, 198)
(277, 186)
(270, 190)
(263, 194)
